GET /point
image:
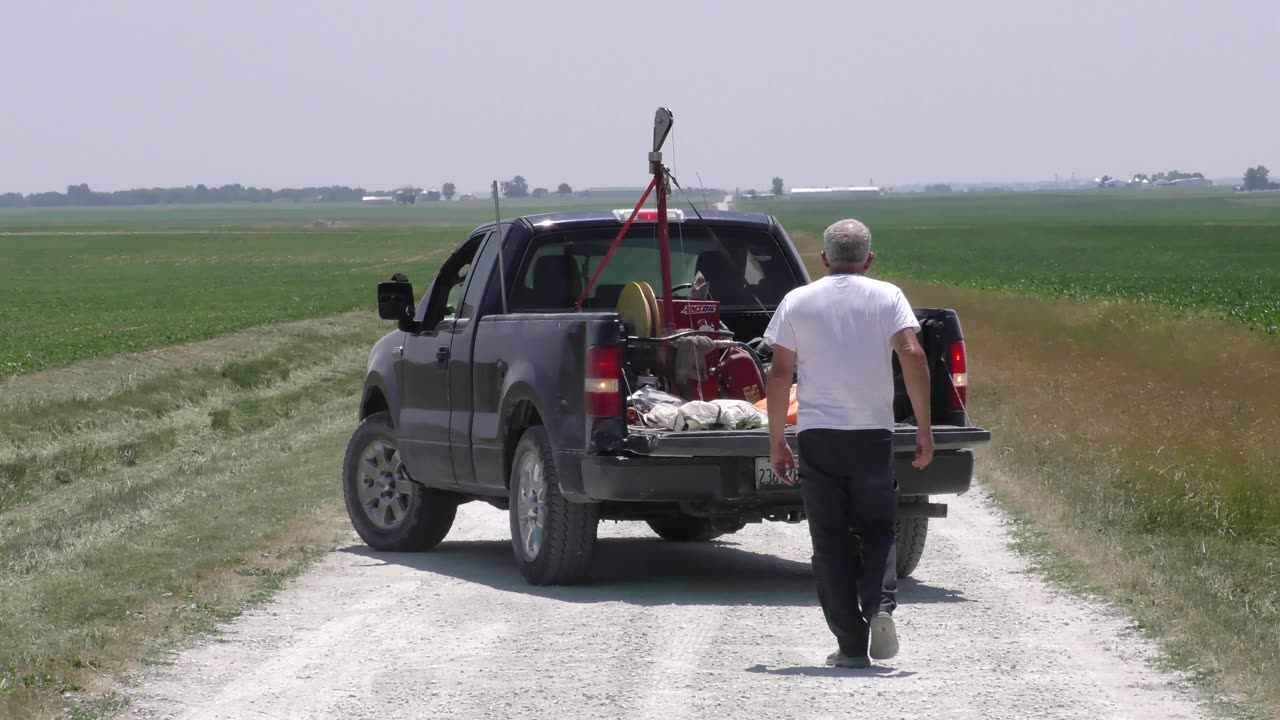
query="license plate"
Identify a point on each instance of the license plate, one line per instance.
(767, 479)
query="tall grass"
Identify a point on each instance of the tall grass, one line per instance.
(1145, 445)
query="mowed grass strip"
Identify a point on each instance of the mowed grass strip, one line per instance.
(1142, 446)
(172, 518)
(50, 443)
(1216, 254)
(28, 423)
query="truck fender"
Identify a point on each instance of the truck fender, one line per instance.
(521, 409)
(382, 382)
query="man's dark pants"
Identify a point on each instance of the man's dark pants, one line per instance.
(851, 500)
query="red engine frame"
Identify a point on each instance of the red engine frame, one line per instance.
(731, 369)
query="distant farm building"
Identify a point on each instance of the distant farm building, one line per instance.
(1192, 183)
(836, 193)
(378, 200)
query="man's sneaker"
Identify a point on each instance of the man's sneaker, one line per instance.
(839, 659)
(884, 636)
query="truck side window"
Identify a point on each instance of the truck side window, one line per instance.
(481, 274)
(446, 292)
(550, 279)
(455, 293)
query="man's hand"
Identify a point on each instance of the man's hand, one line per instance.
(778, 397)
(784, 462)
(924, 448)
(915, 373)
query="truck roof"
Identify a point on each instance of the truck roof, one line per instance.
(606, 218)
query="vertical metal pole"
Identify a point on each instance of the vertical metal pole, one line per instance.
(664, 248)
(502, 272)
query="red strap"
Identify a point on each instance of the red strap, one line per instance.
(617, 241)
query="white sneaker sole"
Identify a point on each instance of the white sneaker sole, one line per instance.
(884, 637)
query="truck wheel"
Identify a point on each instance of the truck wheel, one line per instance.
(553, 538)
(685, 528)
(912, 533)
(389, 511)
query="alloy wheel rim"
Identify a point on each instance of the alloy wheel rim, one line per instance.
(384, 489)
(531, 505)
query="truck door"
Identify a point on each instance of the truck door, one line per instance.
(462, 368)
(425, 402)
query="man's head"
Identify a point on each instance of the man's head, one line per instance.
(846, 247)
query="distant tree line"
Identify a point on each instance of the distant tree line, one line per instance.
(81, 195)
(1170, 176)
(518, 187)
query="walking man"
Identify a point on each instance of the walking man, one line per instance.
(839, 333)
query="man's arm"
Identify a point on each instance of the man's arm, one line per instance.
(778, 399)
(915, 372)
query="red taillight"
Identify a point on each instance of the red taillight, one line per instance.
(604, 371)
(959, 366)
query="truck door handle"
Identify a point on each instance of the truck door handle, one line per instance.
(442, 354)
(397, 351)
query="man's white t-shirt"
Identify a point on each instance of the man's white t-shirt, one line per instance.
(839, 328)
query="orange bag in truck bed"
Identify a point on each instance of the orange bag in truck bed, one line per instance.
(793, 407)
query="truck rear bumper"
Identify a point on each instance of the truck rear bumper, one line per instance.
(726, 480)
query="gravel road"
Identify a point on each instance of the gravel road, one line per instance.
(729, 629)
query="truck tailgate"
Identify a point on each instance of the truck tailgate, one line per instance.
(755, 443)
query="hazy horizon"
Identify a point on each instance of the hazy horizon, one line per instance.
(144, 94)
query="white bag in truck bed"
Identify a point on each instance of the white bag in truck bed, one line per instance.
(728, 414)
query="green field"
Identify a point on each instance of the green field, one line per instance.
(83, 283)
(1216, 253)
(89, 283)
(65, 298)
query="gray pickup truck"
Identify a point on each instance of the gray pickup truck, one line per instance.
(516, 394)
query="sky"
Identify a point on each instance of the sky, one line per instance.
(384, 93)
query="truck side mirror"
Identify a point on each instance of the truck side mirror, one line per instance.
(395, 300)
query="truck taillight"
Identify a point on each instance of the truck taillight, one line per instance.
(959, 366)
(603, 392)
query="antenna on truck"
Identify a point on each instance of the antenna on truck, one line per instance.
(497, 227)
(662, 120)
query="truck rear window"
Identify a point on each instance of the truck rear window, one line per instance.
(746, 268)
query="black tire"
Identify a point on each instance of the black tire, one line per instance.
(562, 556)
(912, 534)
(685, 528)
(414, 518)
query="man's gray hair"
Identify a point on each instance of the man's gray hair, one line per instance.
(847, 241)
